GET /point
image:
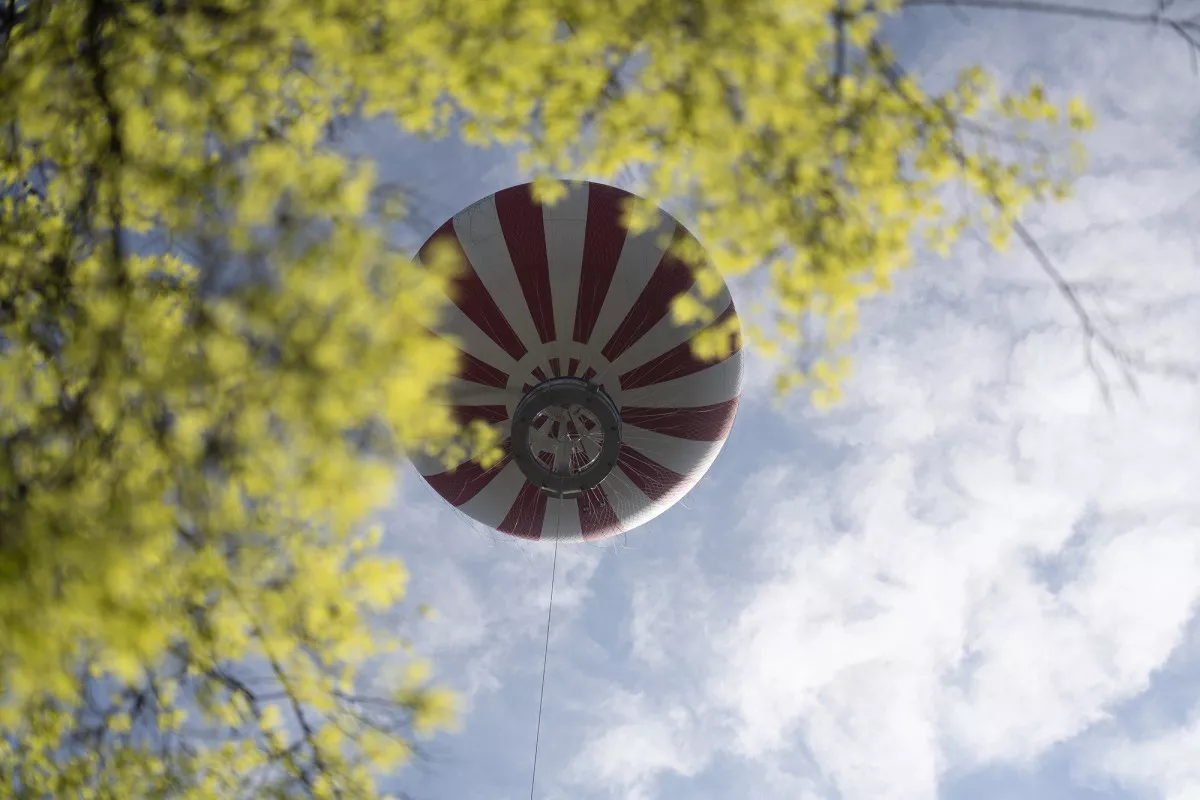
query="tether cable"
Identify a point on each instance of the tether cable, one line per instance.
(545, 656)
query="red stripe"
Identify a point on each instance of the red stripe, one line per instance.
(464, 415)
(556, 367)
(655, 480)
(678, 362)
(469, 294)
(539, 373)
(547, 459)
(603, 242)
(472, 369)
(572, 366)
(591, 373)
(525, 235)
(459, 485)
(528, 511)
(526, 388)
(699, 423)
(671, 278)
(596, 516)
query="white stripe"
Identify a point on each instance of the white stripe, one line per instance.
(465, 393)
(667, 334)
(685, 456)
(630, 504)
(495, 500)
(715, 384)
(479, 233)
(639, 258)
(588, 356)
(458, 327)
(562, 520)
(566, 232)
(571, 207)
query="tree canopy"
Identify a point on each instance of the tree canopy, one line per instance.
(212, 357)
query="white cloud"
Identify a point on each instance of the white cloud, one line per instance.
(489, 593)
(997, 561)
(639, 740)
(995, 564)
(1164, 766)
(1050, 664)
(971, 563)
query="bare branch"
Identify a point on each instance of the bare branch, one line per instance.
(1093, 335)
(1188, 29)
(1057, 9)
(100, 12)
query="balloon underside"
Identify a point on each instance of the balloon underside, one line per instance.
(563, 291)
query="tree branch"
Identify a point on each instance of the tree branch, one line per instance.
(1092, 333)
(99, 12)
(1056, 9)
(1188, 29)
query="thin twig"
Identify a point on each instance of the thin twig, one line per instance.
(1058, 9)
(1188, 29)
(1092, 333)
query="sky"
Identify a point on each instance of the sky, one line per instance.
(972, 579)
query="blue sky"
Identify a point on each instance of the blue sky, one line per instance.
(970, 580)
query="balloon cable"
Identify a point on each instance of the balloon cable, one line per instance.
(545, 659)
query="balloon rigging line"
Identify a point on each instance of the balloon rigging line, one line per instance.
(545, 660)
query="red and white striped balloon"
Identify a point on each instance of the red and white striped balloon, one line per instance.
(563, 290)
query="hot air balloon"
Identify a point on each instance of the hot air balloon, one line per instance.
(568, 346)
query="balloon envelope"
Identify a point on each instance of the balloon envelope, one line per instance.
(569, 348)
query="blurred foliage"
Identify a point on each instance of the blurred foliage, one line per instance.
(212, 358)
